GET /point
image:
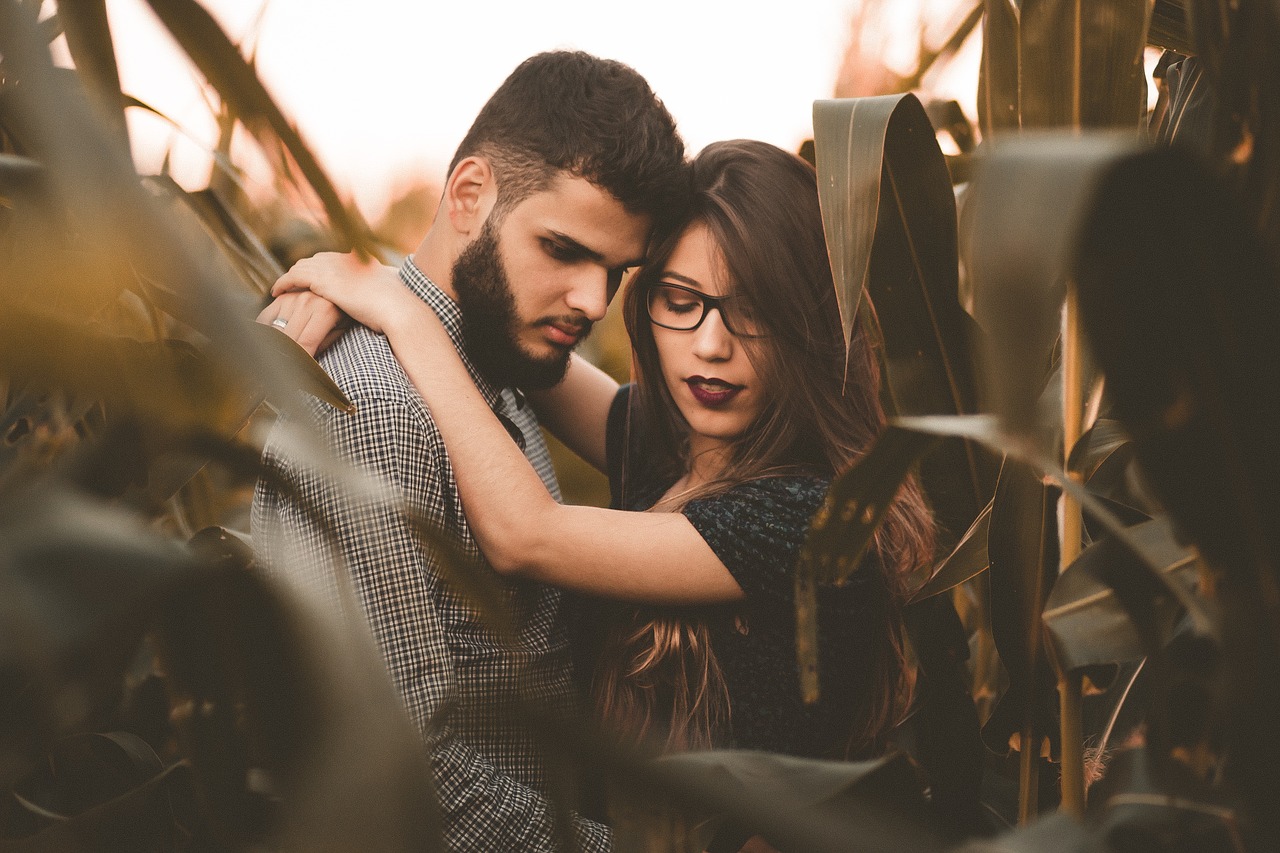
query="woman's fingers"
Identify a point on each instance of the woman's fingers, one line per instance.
(310, 320)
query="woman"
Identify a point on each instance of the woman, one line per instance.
(741, 415)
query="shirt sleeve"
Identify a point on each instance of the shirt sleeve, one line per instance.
(391, 571)
(757, 528)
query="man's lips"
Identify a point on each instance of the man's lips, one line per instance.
(712, 391)
(565, 334)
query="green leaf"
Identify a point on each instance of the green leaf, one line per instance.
(1063, 63)
(233, 77)
(967, 560)
(850, 138)
(1090, 622)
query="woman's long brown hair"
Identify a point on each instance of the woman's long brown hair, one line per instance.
(760, 206)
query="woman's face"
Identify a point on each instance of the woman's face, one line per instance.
(707, 369)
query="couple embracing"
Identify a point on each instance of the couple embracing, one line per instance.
(717, 455)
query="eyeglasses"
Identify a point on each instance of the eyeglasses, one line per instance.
(673, 306)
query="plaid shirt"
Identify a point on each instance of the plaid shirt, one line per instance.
(454, 674)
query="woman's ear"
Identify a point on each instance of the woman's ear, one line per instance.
(469, 195)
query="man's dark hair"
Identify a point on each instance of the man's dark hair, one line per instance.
(593, 118)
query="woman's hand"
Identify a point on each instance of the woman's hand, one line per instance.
(310, 295)
(312, 321)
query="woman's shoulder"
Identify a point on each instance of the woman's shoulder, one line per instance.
(788, 494)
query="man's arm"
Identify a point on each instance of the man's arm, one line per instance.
(390, 572)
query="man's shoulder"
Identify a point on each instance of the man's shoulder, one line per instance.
(362, 364)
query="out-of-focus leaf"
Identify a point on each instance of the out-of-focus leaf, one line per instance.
(1056, 833)
(227, 71)
(255, 261)
(1179, 311)
(81, 581)
(1021, 216)
(94, 790)
(104, 202)
(89, 40)
(1062, 63)
(842, 530)
(1090, 615)
(317, 383)
(967, 560)
(1138, 804)
(805, 804)
(948, 116)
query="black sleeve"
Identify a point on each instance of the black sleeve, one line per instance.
(756, 529)
(615, 443)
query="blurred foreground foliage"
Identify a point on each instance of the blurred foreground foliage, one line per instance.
(1079, 357)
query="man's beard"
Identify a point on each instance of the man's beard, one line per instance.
(490, 321)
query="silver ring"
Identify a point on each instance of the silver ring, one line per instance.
(279, 322)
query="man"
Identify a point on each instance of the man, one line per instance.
(553, 193)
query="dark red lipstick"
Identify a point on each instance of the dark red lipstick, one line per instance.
(712, 392)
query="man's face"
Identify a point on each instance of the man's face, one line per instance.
(531, 286)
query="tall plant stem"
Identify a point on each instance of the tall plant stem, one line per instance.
(1028, 772)
(1070, 685)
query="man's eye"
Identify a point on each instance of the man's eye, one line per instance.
(558, 251)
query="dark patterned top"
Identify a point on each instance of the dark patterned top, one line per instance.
(756, 528)
(455, 676)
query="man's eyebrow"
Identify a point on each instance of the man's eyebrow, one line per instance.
(588, 253)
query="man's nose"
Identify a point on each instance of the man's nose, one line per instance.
(589, 293)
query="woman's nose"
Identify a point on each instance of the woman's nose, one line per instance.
(712, 341)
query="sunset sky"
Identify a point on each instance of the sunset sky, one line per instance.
(386, 88)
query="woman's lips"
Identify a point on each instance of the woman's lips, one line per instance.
(712, 392)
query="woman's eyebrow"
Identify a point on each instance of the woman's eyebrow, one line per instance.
(683, 279)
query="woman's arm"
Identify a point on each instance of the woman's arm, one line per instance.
(653, 557)
(575, 410)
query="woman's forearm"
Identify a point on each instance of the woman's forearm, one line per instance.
(504, 498)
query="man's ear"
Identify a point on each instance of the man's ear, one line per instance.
(469, 195)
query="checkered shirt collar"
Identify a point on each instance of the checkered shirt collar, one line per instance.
(450, 315)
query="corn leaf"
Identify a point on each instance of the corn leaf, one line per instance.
(1021, 218)
(1105, 609)
(967, 560)
(843, 529)
(1063, 63)
(89, 40)
(1179, 313)
(235, 80)
(805, 804)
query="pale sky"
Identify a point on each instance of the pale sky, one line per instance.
(385, 87)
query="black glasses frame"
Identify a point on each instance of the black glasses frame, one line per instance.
(708, 302)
